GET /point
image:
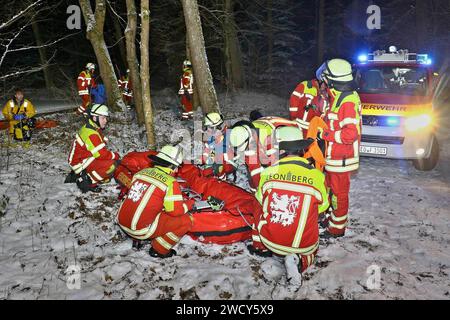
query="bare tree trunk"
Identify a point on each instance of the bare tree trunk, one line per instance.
(145, 73)
(233, 58)
(269, 36)
(195, 96)
(118, 37)
(94, 33)
(208, 96)
(133, 64)
(42, 55)
(321, 32)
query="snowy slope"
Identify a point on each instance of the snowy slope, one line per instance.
(399, 223)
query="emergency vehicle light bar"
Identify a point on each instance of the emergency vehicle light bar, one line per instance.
(397, 56)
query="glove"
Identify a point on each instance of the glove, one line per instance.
(19, 117)
(216, 204)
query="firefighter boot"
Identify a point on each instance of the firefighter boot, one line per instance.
(259, 252)
(153, 253)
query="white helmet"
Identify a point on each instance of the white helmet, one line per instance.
(187, 63)
(335, 70)
(239, 137)
(90, 66)
(171, 154)
(213, 119)
(128, 70)
(99, 110)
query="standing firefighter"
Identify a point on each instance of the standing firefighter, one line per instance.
(90, 160)
(307, 101)
(85, 83)
(20, 113)
(126, 87)
(290, 192)
(343, 119)
(154, 208)
(186, 91)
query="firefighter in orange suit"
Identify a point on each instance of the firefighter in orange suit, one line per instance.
(85, 82)
(292, 194)
(186, 91)
(307, 101)
(20, 113)
(343, 118)
(91, 161)
(154, 208)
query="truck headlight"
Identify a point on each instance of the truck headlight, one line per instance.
(418, 122)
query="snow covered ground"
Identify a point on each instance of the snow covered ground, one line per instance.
(398, 234)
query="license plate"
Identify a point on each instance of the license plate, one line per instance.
(373, 150)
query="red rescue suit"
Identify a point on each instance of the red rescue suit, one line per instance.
(154, 209)
(84, 84)
(89, 152)
(343, 119)
(186, 92)
(292, 193)
(306, 102)
(126, 87)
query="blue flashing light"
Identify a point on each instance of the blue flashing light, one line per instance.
(424, 59)
(393, 121)
(363, 58)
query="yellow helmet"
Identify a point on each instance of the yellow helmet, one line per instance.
(213, 119)
(291, 139)
(187, 64)
(338, 70)
(239, 137)
(170, 154)
(90, 66)
(99, 110)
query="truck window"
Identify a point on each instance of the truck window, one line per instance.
(392, 79)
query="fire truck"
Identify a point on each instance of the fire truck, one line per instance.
(398, 116)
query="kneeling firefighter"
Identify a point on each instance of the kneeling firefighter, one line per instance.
(91, 161)
(292, 193)
(253, 143)
(154, 208)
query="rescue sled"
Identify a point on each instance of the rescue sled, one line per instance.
(230, 224)
(40, 124)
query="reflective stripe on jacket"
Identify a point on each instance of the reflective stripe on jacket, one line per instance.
(292, 193)
(344, 131)
(89, 144)
(153, 192)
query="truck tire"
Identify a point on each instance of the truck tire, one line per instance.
(427, 164)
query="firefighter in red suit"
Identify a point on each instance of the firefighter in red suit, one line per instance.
(91, 161)
(307, 101)
(343, 118)
(85, 82)
(154, 208)
(126, 87)
(292, 194)
(186, 90)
